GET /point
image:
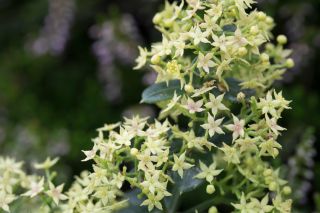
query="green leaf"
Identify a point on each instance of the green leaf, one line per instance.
(229, 28)
(186, 184)
(234, 89)
(134, 205)
(161, 91)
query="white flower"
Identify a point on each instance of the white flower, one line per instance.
(198, 36)
(145, 160)
(216, 104)
(230, 154)
(215, 11)
(172, 103)
(193, 106)
(220, 42)
(47, 164)
(208, 173)
(180, 164)
(238, 40)
(272, 124)
(5, 200)
(213, 125)
(166, 47)
(152, 181)
(35, 188)
(268, 105)
(179, 48)
(237, 128)
(205, 62)
(90, 154)
(109, 127)
(142, 59)
(56, 193)
(153, 201)
(261, 207)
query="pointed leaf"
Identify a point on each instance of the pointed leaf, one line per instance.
(161, 91)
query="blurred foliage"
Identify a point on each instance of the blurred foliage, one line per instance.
(51, 100)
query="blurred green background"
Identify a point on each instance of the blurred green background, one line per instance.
(66, 69)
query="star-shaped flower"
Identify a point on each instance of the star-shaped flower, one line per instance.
(208, 173)
(193, 106)
(180, 164)
(142, 59)
(205, 62)
(56, 193)
(237, 128)
(213, 126)
(215, 103)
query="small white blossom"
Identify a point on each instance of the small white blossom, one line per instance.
(237, 128)
(213, 126)
(35, 188)
(208, 173)
(205, 62)
(193, 106)
(56, 193)
(215, 103)
(180, 164)
(142, 59)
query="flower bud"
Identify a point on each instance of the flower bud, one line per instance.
(134, 151)
(269, 46)
(267, 172)
(275, 152)
(287, 190)
(168, 23)
(264, 57)
(157, 18)
(273, 186)
(242, 51)
(262, 16)
(241, 96)
(210, 189)
(282, 39)
(269, 20)
(254, 30)
(213, 209)
(155, 59)
(289, 63)
(188, 88)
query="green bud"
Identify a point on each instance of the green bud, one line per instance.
(134, 151)
(210, 189)
(290, 63)
(282, 39)
(188, 88)
(241, 96)
(264, 57)
(269, 46)
(157, 18)
(262, 16)
(287, 190)
(267, 172)
(213, 209)
(269, 20)
(254, 30)
(273, 186)
(242, 51)
(168, 23)
(155, 59)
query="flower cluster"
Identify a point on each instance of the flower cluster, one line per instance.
(216, 39)
(220, 124)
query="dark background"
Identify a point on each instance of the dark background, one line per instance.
(66, 69)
